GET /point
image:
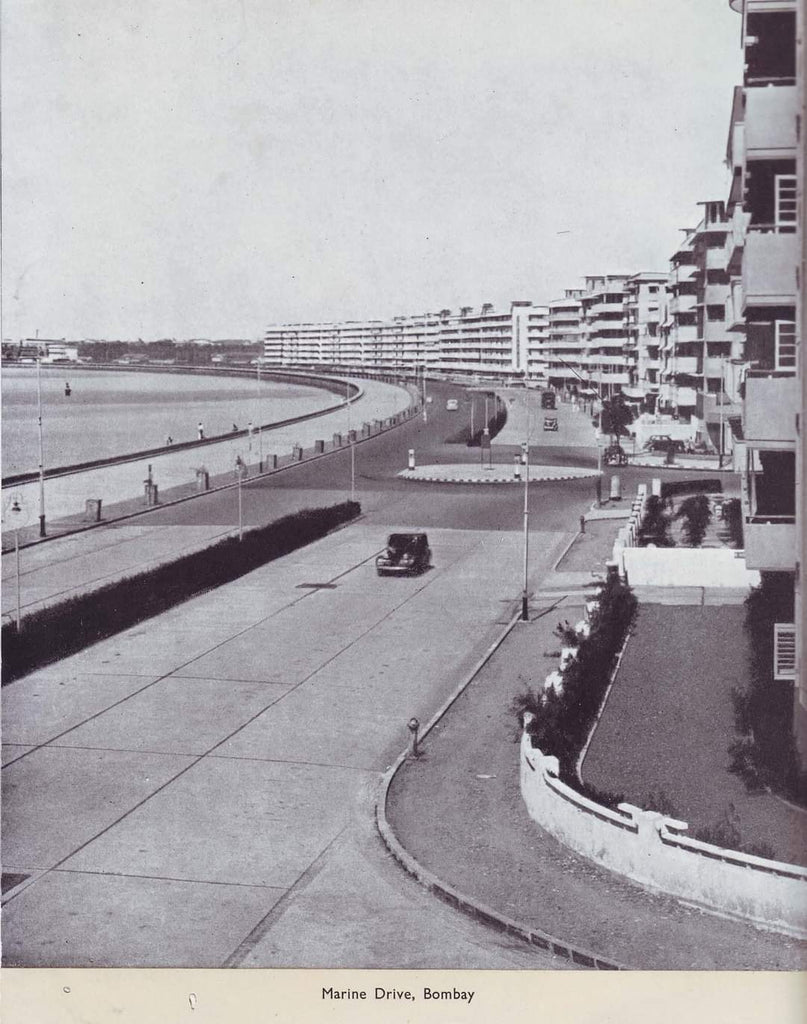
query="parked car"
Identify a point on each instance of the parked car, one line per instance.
(550, 423)
(548, 400)
(615, 455)
(452, 405)
(664, 443)
(404, 555)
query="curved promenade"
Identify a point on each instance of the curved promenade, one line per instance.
(117, 480)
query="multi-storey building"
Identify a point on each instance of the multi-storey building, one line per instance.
(484, 341)
(643, 306)
(764, 247)
(564, 347)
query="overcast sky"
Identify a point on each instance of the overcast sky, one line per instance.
(202, 168)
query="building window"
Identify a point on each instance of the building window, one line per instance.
(786, 202)
(785, 345)
(716, 313)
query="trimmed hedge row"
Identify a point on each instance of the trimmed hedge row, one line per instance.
(708, 485)
(562, 722)
(464, 436)
(55, 632)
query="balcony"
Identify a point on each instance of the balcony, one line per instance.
(770, 543)
(735, 240)
(716, 256)
(682, 304)
(686, 364)
(769, 410)
(709, 409)
(769, 268)
(770, 122)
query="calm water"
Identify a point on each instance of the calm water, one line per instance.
(111, 413)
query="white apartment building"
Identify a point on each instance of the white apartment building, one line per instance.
(479, 341)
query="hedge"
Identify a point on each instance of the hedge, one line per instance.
(60, 630)
(707, 485)
(464, 436)
(562, 722)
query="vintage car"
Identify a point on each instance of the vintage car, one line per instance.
(615, 455)
(550, 423)
(404, 555)
(664, 443)
(452, 405)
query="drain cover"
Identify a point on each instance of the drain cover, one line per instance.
(316, 586)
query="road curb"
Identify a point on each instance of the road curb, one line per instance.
(481, 480)
(474, 908)
(410, 413)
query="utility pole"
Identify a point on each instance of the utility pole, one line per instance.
(41, 448)
(352, 449)
(525, 599)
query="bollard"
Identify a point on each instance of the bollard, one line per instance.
(582, 524)
(413, 725)
(516, 467)
(411, 458)
(655, 486)
(297, 452)
(598, 490)
(202, 479)
(616, 488)
(337, 440)
(319, 447)
(92, 510)
(150, 493)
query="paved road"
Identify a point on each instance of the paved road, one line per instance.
(197, 791)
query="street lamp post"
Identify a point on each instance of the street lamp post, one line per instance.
(16, 510)
(41, 448)
(722, 384)
(525, 600)
(352, 449)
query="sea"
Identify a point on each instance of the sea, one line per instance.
(110, 413)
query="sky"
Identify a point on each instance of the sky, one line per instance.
(204, 168)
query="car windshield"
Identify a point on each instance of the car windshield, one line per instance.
(400, 542)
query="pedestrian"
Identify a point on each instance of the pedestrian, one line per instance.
(235, 428)
(169, 440)
(201, 432)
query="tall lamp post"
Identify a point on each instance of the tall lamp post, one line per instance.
(352, 448)
(16, 512)
(525, 598)
(41, 448)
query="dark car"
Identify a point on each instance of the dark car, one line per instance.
(663, 443)
(405, 554)
(550, 423)
(548, 400)
(615, 455)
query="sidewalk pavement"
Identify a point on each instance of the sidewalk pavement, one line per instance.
(457, 810)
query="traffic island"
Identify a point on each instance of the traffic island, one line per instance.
(467, 473)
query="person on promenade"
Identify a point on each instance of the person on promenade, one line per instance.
(169, 440)
(201, 432)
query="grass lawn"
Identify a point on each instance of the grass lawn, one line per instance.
(669, 721)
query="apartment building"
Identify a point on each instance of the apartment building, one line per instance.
(701, 348)
(479, 341)
(564, 348)
(764, 247)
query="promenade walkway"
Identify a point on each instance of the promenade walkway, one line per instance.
(458, 810)
(74, 558)
(65, 495)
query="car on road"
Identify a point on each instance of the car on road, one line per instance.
(615, 455)
(548, 400)
(452, 405)
(664, 443)
(405, 555)
(550, 423)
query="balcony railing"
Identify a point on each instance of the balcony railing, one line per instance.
(769, 267)
(770, 542)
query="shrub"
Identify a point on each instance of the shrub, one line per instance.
(733, 518)
(764, 753)
(562, 722)
(55, 632)
(696, 514)
(655, 525)
(706, 485)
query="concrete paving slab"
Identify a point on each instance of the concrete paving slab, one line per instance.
(230, 821)
(356, 908)
(11, 751)
(72, 919)
(178, 716)
(43, 705)
(56, 799)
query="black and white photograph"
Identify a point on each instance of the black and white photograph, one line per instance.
(403, 504)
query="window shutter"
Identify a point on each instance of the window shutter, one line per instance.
(784, 650)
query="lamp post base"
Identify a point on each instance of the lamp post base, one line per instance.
(525, 608)
(42, 532)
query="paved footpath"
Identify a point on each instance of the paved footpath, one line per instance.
(458, 810)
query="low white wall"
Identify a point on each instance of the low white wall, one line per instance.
(685, 567)
(649, 848)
